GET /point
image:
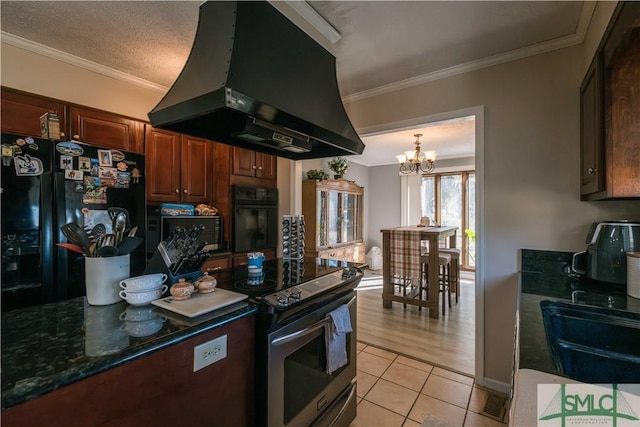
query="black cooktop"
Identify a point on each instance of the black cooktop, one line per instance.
(278, 274)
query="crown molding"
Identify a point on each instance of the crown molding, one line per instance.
(544, 47)
(316, 20)
(67, 58)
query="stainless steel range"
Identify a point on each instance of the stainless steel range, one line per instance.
(293, 386)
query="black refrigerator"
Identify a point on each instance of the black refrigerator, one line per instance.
(46, 184)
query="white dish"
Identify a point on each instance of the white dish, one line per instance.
(143, 283)
(144, 297)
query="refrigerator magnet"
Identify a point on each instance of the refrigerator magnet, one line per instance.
(28, 166)
(66, 162)
(73, 174)
(29, 140)
(69, 148)
(123, 179)
(95, 168)
(21, 142)
(104, 156)
(122, 166)
(136, 175)
(117, 156)
(84, 164)
(79, 187)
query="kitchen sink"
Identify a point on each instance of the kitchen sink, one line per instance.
(593, 344)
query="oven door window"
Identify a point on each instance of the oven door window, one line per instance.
(305, 375)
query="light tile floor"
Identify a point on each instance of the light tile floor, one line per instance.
(396, 391)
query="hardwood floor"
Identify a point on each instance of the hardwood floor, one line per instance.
(448, 342)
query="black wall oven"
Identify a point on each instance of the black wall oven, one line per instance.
(255, 218)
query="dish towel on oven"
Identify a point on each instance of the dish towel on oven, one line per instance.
(339, 324)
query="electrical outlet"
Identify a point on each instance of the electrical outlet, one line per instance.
(209, 352)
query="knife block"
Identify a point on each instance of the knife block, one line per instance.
(157, 265)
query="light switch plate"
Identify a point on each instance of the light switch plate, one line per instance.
(209, 352)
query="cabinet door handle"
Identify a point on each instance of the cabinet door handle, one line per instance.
(253, 166)
(259, 167)
(76, 137)
(184, 191)
(177, 191)
(62, 134)
(592, 171)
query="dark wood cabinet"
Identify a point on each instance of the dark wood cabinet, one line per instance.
(179, 168)
(591, 133)
(610, 107)
(106, 130)
(21, 113)
(253, 164)
(158, 389)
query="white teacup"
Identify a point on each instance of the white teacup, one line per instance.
(143, 283)
(144, 297)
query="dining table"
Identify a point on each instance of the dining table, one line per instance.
(433, 235)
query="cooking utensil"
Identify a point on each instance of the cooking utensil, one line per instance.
(119, 226)
(76, 235)
(98, 231)
(129, 244)
(113, 213)
(107, 251)
(71, 247)
(133, 231)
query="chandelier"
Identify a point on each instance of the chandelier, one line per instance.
(417, 161)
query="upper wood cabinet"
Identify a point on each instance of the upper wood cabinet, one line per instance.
(21, 113)
(591, 133)
(106, 130)
(179, 168)
(610, 136)
(253, 164)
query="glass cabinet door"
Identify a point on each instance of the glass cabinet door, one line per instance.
(322, 204)
(333, 217)
(348, 217)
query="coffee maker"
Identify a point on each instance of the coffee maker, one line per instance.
(605, 258)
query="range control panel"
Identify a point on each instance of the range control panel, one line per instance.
(304, 291)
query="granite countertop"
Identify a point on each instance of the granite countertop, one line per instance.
(545, 276)
(47, 347)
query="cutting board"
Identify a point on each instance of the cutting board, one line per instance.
(200, 303)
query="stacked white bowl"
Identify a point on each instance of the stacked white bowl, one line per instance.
(141, 290)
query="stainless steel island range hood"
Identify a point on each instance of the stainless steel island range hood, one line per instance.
(255, 80)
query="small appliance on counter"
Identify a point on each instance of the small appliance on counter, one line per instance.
(605, 258)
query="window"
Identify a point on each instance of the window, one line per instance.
(449, 199)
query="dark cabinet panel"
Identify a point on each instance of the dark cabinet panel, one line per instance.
(106, 130)
(253, 164)
(162, 165)
(179, 167)
(197, 180)
(21, 113)
(591, 130)
(610, 112)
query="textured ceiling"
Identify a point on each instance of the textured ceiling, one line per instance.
(383, 42)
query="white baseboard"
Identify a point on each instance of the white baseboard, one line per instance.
(498, 386)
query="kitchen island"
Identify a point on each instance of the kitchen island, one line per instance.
(75, 364)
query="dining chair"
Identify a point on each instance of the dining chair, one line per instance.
(444, 277)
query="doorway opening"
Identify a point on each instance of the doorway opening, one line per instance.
(411, 210)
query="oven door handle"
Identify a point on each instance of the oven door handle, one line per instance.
(309, 329)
